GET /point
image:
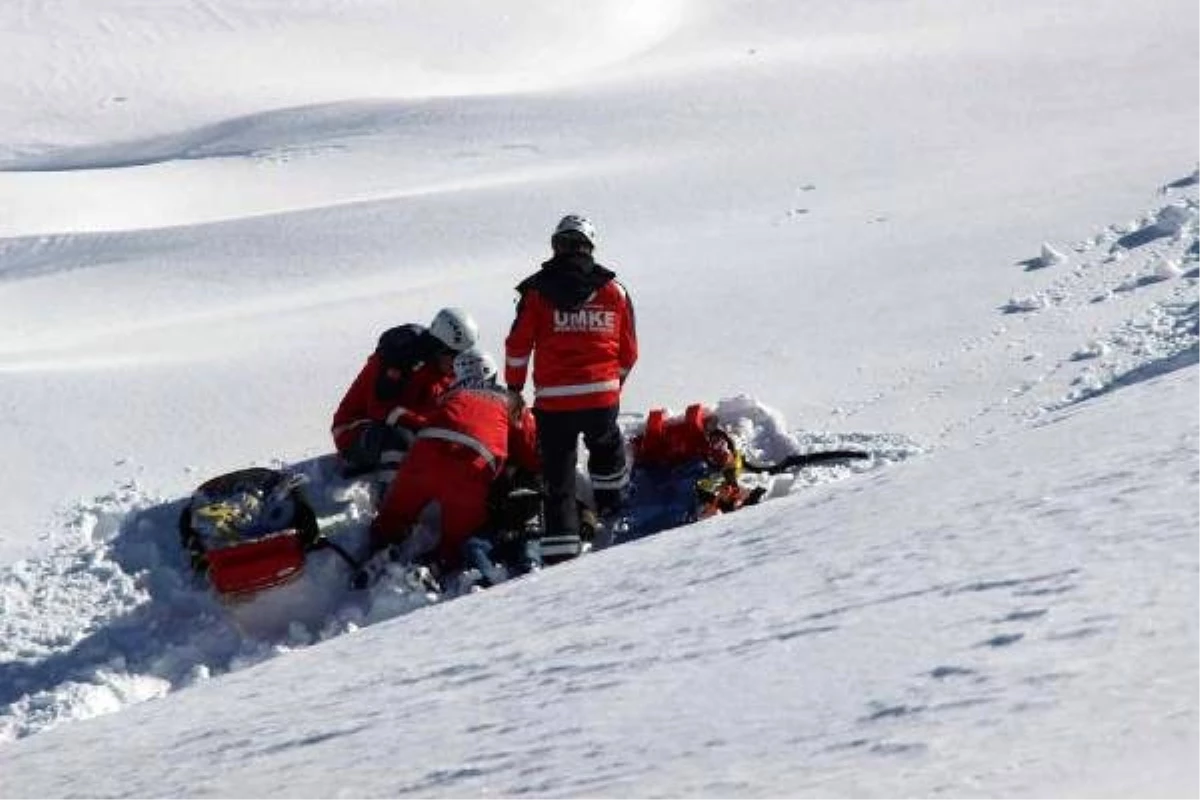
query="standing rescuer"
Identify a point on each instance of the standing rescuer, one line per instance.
(577, 323)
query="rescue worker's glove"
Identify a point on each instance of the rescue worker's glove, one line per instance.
(376, 438)
(516, 404)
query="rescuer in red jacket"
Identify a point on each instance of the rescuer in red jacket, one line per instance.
(576, 321)
(397, 388)
(474, 429)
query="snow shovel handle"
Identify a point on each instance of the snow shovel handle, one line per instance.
(797, 460)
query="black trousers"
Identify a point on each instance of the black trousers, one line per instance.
(558, 444)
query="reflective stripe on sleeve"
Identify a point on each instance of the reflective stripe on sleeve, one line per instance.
(349, 426)
(395, 414)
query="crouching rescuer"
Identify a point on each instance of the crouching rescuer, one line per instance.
(439, 497)
(576, 321)
(396, 388)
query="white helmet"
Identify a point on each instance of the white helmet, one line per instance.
(474, 366)
(454, 328)
(574, 223)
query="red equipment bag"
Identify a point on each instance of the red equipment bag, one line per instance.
(248, 530)
(680, 440)
(254, 566)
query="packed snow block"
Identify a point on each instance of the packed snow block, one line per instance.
(1175, 218)
(1172, 221)
(1050, 256)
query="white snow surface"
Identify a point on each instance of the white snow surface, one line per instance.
(960, 235)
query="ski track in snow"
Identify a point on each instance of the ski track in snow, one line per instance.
(113, 615)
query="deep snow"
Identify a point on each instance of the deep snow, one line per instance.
(961, 234)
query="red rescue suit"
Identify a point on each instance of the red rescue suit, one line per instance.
(410, 408)
(583, 355)
(453, 462)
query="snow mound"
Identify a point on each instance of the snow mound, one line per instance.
(1176, 218)
(1051, 256)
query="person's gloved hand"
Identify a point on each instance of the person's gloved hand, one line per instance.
(516, 405)
(373, 441)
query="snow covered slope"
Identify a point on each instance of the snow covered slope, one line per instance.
(857, 184)
(1003, 620)
(962, 232)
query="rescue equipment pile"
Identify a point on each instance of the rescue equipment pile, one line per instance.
(253, 529)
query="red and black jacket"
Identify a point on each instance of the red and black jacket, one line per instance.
(400, 384)
(477, 419)
(577, 322)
